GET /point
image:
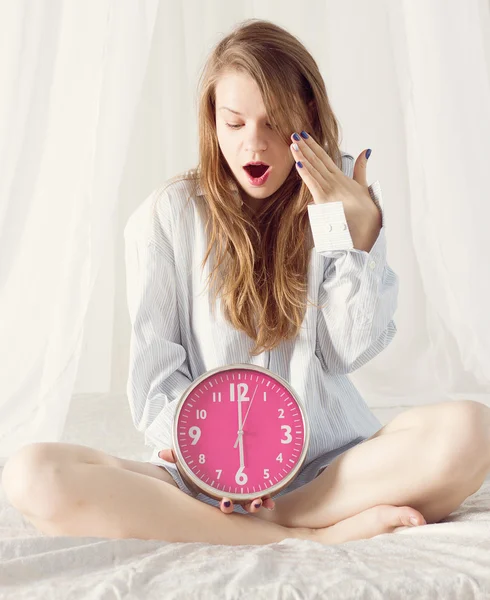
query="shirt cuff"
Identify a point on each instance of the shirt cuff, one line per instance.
(329, 225)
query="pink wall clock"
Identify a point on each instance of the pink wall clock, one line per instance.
(240, 431)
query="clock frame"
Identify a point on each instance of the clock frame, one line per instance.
(198, 485)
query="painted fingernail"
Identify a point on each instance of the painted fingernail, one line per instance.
(257, 505)
(295, 147)
(227, 503)
(299, 165)
(305, 135)
(296, 137)
(368, 153)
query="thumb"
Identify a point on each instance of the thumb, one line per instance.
(167, 454)
(360, 168)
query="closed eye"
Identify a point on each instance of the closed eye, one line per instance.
(237, 126)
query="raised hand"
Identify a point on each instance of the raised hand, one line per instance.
(328, 183)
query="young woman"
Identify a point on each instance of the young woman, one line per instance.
(311, 230)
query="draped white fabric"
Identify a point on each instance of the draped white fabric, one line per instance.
(71, 76)
(98, 107)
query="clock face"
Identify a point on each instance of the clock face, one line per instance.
(260, 460)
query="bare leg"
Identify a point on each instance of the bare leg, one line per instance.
(61, 494)
(402, 464)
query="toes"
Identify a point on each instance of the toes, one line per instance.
(411, 517)
(390, 516)
(401, 515)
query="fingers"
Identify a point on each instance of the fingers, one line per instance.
(223, 505)
(315, 154)
(167, 455)
(315, 174)
(251, 507)
(311, 177)
(254, 506)
(268, 503)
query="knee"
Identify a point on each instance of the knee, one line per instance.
(30, 479)
(463, 435)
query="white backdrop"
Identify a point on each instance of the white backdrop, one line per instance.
(98, 107)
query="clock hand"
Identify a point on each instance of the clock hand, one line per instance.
(240, 426)
(240, 445)
(240, 476)
(239, 439)
(250, 406)
(240, 429)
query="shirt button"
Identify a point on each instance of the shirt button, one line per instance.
(344, 226)
(372, 264)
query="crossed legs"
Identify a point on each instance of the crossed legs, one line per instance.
(430, 457)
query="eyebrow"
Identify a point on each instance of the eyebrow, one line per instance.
(233, 111)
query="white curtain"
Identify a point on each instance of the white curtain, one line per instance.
(441, 65)
(71, 75)
(98, 107)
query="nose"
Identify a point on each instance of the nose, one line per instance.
(256, 141)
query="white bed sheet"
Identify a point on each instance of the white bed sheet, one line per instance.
(446, 560)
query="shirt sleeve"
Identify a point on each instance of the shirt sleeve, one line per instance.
(358, 294)
(158, 369)
(329, 225)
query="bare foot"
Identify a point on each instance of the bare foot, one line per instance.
(373, 521)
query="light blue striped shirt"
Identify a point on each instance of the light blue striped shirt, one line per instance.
(175, 338)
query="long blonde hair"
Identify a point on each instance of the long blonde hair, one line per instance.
(264, 256)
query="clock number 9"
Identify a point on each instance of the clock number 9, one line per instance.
(195, 434)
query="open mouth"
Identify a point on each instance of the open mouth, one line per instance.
(256, 170)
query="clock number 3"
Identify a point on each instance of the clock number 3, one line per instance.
(289, 437)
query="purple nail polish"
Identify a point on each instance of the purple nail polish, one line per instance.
(257, 505)
(227, 503)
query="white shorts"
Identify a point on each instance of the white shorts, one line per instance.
(306, 474)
